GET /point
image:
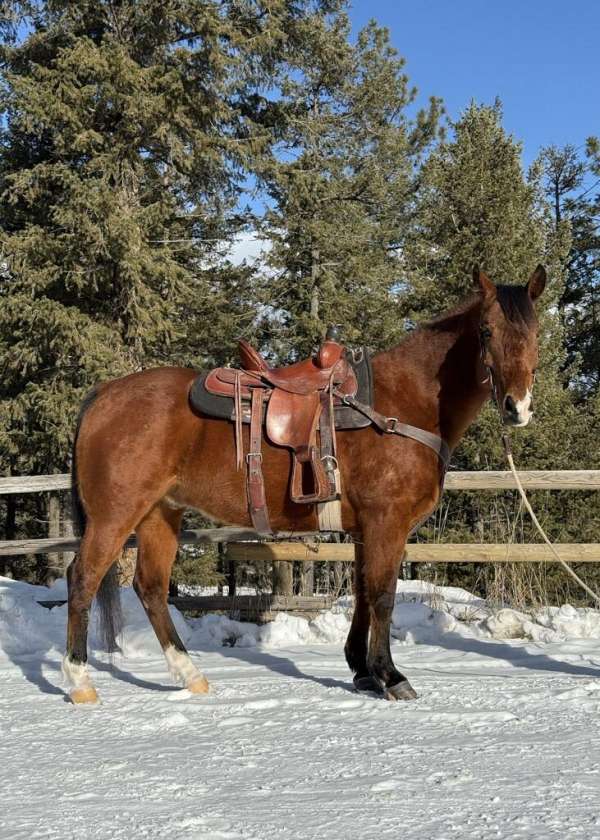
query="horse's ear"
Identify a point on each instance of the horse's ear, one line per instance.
(536, 283)
(483, 283)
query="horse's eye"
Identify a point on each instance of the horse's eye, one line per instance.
(486, 333)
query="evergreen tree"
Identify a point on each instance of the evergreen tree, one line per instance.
(564, 176)
(128, 130)
(341, 183)
(476, 207)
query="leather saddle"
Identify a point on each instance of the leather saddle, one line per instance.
(298, 407)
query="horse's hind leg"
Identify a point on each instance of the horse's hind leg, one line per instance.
(157, 546)
(99, 549)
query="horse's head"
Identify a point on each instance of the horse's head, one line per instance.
(509, 342)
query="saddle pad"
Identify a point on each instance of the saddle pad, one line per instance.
(220, 407)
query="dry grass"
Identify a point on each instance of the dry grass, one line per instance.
(522, 586)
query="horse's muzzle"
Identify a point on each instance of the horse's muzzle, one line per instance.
(517, 412)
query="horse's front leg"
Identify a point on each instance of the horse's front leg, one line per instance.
(357, 643)
(383, 548)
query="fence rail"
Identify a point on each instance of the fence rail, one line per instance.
(245, 544)
(455, 480)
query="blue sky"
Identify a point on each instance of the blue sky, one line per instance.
(541, 57)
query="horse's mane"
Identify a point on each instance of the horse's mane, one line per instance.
(514, 301)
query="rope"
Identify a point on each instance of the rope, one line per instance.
(536, 522)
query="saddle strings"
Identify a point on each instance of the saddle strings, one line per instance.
(237, 400)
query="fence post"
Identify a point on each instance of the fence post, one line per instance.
(231, 576)
(282, 577)
(68, 530)
(54, 560)
(10, 530)
(307, 578)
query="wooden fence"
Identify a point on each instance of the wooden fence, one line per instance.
(245, 545)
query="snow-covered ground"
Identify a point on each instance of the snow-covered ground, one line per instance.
(503, 741)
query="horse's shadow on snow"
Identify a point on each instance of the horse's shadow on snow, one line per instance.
(518, 657)
(277, 664)
(32, 667)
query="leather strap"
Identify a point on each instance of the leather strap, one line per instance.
(326, 441)
(255, 482)
(237, 402)
(392, 426)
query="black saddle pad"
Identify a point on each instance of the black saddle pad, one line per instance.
(213, 405)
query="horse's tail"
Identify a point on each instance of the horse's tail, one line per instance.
(77, 509)
(107, 596)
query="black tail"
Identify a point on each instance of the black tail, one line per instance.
(77, 509)
(107, 597)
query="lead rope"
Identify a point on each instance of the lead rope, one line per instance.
(513, 469)
(536, 522)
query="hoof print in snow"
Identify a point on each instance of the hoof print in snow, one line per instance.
(401, 691)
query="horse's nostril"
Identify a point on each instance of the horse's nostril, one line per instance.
(509, 405)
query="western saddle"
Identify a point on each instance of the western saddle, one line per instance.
(300, 407)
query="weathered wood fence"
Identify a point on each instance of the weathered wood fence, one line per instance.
(245, 545)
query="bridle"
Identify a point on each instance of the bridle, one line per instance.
(484, 336)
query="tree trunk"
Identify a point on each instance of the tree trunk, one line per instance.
(314, 294)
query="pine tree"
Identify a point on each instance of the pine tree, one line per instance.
(476, 207)
(129, 129)
(341, 186)
(563, 175)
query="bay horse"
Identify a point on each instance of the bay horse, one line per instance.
(141, 456)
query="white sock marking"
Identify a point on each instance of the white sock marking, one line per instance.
(76, 674)
(181, 667)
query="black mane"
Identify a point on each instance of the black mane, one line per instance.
(516, 305)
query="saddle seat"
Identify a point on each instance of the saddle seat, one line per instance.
(299, 415)
(312, 374)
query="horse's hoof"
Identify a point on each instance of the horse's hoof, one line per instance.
(401, 691)
(199, 685)
(85, 694)
(367, 685)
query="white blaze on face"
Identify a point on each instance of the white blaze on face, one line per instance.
(523, 410)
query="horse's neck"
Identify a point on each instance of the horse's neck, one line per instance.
(436, 378)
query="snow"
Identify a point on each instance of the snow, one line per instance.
(502, 742)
